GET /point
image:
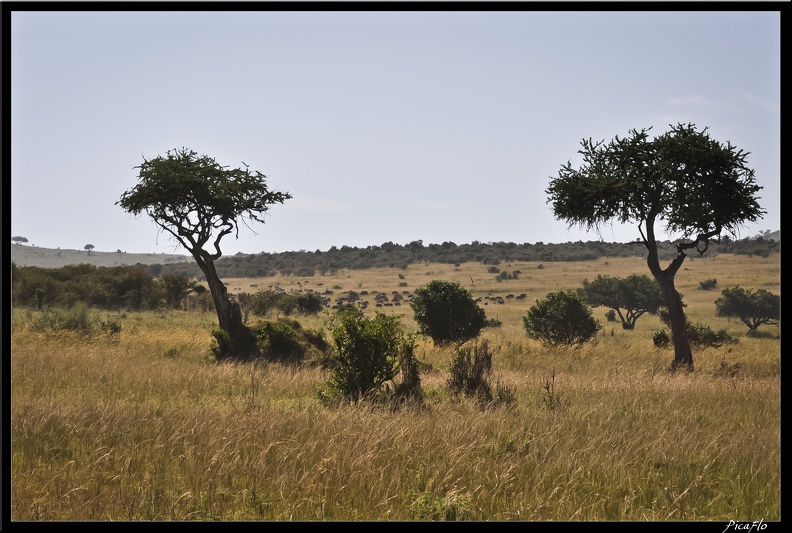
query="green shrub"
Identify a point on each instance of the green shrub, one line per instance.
(278, 342)
(112, 325)
(221, 344)
(708, 284)
(366, 354)
(309, 304)
(562, 319)
(453, 507)
(492, 323)
(446, 312)
(701, 335)
(661, 339)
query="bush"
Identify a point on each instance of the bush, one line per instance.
(221, 344)
(446, 312)
(278, 342)
(265, 301)
(309, 304)
(562, 319)
(661, 339)
(366, 354)
(470, 371)
(699, 335)
(410, 386)
(708, 284)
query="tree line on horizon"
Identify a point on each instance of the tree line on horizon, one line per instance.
(391, 255)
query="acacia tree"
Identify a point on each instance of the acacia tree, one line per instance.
(198, 202)
(636, 294)
(19, 239)
(89, 247)
(753, 308)
(698, 187)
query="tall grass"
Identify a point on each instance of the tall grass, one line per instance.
(144, 425)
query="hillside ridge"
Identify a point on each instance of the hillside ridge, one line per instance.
(31, 255)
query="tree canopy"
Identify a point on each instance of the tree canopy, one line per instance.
(194, 198)
(697, 186)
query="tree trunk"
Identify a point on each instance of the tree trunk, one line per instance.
(683, 355)
(229, 315)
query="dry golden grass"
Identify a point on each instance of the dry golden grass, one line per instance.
(145, 426)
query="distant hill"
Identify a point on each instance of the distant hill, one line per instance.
(24, 255)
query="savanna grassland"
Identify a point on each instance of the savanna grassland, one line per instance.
(143, 424)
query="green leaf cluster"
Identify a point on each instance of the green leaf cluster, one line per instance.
(194, 198)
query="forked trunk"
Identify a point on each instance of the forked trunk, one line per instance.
(683, 356)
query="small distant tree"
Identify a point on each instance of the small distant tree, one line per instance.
(563, 319)
(447, 312)
(636, 294)
(19, 239)
(754, 308)
(89, 247)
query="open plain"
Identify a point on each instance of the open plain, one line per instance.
(145, 425)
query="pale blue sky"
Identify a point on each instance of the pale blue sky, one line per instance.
(384, 126)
